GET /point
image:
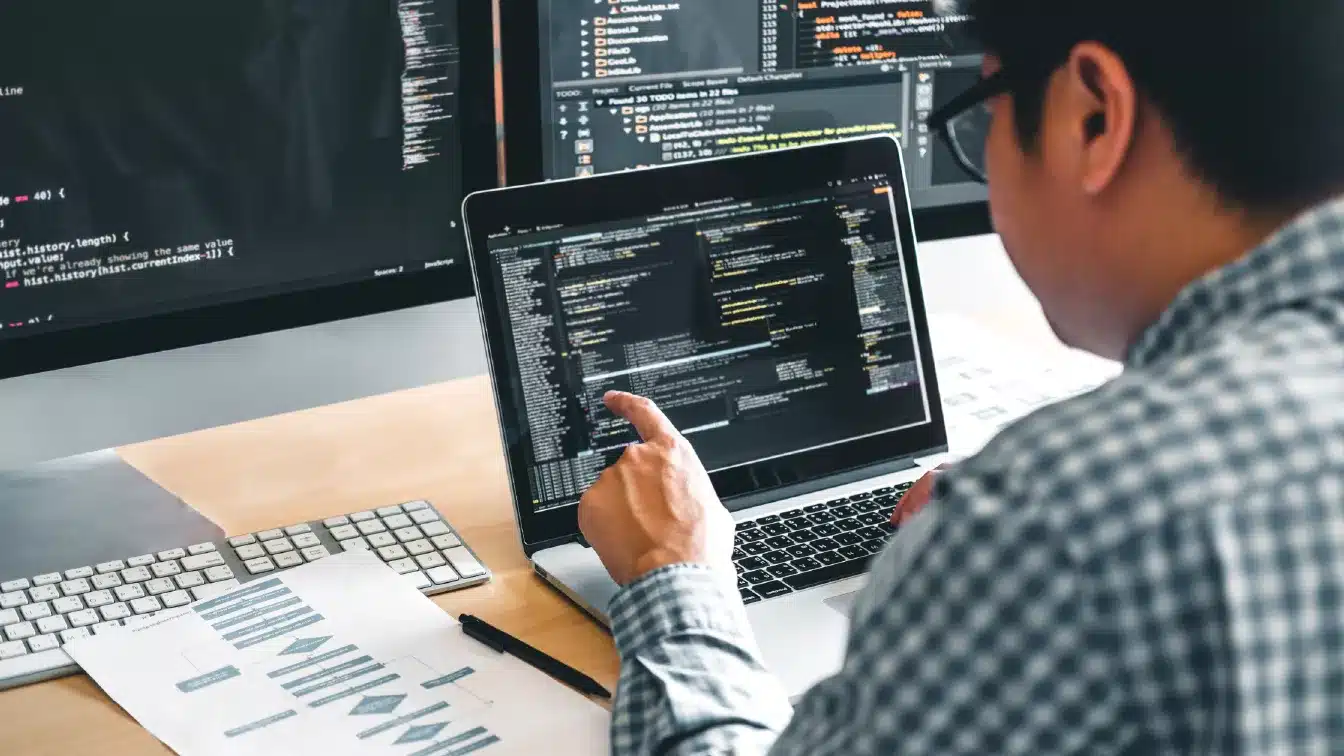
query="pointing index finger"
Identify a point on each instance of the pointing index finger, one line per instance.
(649, 421)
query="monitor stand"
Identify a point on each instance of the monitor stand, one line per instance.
(88, 509)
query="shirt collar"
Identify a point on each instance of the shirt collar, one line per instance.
(1301, 262)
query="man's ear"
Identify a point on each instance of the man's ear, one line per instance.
(1100, 104)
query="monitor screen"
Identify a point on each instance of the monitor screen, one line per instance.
(631, 83)
(160, 156)
(766, 325)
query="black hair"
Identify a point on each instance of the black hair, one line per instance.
(1252, 91)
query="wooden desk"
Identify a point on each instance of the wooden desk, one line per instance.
(439, 443)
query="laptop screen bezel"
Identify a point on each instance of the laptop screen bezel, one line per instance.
(635, 194)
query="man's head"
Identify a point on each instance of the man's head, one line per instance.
(1142, 145)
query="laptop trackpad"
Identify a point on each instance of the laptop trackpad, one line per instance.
(842, 603)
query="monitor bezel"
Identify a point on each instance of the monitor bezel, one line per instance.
(520, 60)
(84, 345)
(636, 193)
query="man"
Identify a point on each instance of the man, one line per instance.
(1154, 568)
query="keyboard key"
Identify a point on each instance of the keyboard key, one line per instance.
(408, 533)
(872, 518)
(848, 524)
(332, 522)
(390, 553)
(14, 585)
(109, 580)
(748, 596)
(354, 544)
(201, 548)
(756, 548)
(79, 572)
(751, 534)
(416, 548)
(768, 519)
(299, 529)
(782, 570)
(848, 539)
(436, 528)
(129, 592)
(249, 551)
(53, 624)
(189, 580)
(381, 540)
(820, 518)
(217, 573)
(824, 544)
(739, 554)
(806, 564)
(443, 575)
(8, 616)
(288, 559)
(462, 561)
(415, 505)
(84, 618)
(160, 585)
(64, 605)
(146, 605)
(873, 534)
(13, 599)
(305, 540)
(775, 529)
(861, 496)
(172, 554)
(98, 598)
(12, 650)
(259, 565)
(853, 552)
(874, 547)
(814, 508)
(779, 542)
(397, 521)
(389, 511)
(803, 536)
(103, 627)
(313, 553)
(825, 575)
(74, 634)
(771, 589)
(742, 583)
(775, 557)
(51, 578)
(279, 546)
(798, 524)
(369, 527)
(343, 532)
(115, 611)
(757, 576)
(829, 557)
(175, 599)
(140, 561)
(419, 579)
(242, 540)
(211, 590)
(20, 630)
(107, 567)
(792, 514)
(270, 535)
(826, 531)
(362, 516)
(201, 561)
(431, 560)
(136, 574)
(753, 563)
(403, 566)
(446, 541)
(35, 611)
(843, 511)
(801, 550)
(425, 516)
(44, 643)
(165, 569)
(44, 593)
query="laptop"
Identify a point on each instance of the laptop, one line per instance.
(770, 304)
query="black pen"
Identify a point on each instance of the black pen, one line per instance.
(504, 643)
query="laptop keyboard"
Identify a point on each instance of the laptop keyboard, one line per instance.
(813, 545)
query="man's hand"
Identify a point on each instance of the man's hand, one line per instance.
(656, 506)
(916, 498)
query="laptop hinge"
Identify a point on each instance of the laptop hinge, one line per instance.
(834, 480)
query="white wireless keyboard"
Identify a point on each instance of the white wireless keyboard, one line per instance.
(40, 614)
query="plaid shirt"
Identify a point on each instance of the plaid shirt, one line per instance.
(1156, 567)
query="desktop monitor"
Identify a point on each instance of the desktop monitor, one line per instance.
(601, 85)
(175, 173)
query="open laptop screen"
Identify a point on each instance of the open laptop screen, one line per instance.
(765, 326)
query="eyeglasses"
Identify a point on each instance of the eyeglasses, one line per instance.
(963, 124)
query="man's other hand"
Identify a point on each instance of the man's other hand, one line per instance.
(916, 498)
(656, 506)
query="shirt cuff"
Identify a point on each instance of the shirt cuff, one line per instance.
(674, 600)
